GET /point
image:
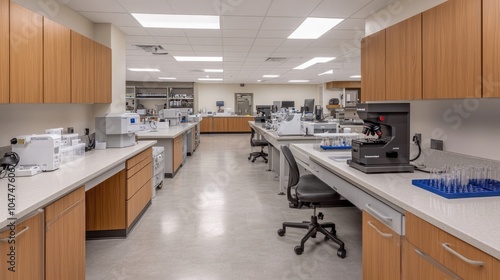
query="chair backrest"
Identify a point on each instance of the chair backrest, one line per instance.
(294, 174)
(252, 135)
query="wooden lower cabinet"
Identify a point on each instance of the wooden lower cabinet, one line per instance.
(416, 265)
(115, 205)
(65, 237)
(28, 250)
(381, 250)
(446, 249)
(206, 125)
(219, 124)
(238, 124)
(177, 153)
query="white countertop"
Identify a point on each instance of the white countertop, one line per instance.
(474, 220)
(169, 132)
(40, 190)
(259, 128)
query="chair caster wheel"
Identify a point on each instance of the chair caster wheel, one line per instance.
(266, 161)
(298, 250)
(313, 236)
(341, 253)
(253, 160)
(249, 158)
(281, 232)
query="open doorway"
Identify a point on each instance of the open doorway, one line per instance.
(243, 103)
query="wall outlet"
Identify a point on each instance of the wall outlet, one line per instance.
(417, 137)
(437, 144)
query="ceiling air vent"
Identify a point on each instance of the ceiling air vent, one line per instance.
(276, 59)
(153, 49)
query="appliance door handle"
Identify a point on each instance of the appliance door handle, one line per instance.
(378, 214)
(3, 240)
(447, 247)
(386, 235)
(437, 265)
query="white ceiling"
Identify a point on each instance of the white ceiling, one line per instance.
(251, 31)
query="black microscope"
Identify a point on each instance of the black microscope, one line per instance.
(389, 150)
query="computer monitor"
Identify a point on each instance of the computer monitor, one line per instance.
(309, 105)
(287, 104)
(219, 103)
(265, 110)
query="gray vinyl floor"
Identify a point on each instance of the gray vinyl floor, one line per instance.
(217, 219)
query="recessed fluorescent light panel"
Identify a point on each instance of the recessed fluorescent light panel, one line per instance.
(210, 79)
(313, 28)
(314, 61)
(144, 69)
(214, 70)
(167, 78)
(270, 76)
(178, 21)
(199, 58)
(298, 81)
(326, 73)
(355, 76)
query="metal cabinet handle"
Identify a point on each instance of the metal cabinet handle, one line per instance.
(447, 247)
(376, 212)
(386, 235)
(436, 264)
(3, 240)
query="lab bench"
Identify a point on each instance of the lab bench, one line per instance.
(408, 232)
(175, 140)
(53, 210)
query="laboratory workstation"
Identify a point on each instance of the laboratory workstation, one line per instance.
(266, 139)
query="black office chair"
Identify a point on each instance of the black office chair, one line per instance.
(309, 190)
(257, 143)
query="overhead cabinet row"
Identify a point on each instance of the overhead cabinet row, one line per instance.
(49, 63)
(435, 54)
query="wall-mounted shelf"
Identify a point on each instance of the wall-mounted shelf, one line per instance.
(172, 95)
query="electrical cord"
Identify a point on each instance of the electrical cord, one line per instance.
(10, 160)
(415, 139)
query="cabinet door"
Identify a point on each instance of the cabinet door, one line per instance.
(65, 237)
(220, 124)
(26, 55)
(451, 47)
(404, 60)
(491, 48)
(381, 250)
(416, 265)
(82, 69)
(373, 67)
(177, 153)
(57, 62)
(206, 125)
(232, 124)
(102, 74)
(4, 51)
(28, 249)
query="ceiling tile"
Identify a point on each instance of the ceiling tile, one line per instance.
(274, 34)
(133, 31)
(281, 23)
(268, 42)
(239, 33)
(244, 8)
(153, 6)
(172, 40)
(356, 24)
(238, 41)
(140, 40)
(94, 5)
(296, 8)
(205, 41)
(236, 49)
(339, 8)
(118, 19)
(200, 7)
(232, 22)
(371, 8)
(175, 47)
(166, 32)
(204, 48)
(202, 33)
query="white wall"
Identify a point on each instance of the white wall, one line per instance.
(19, 119)
(208, 94)
(467, 126)
(395, 12)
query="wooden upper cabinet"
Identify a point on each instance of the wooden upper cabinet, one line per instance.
(102, 74)
(82, 69)
(57, 62)
(491, 48)
(26, 55)
(404, 60)
(451, 47)
(373, 67)
(4, 51)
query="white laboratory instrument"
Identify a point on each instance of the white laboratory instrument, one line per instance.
(158, 168)
(173, 116)
(38, 149)
(117, 129)
(290, 125)
(310, 128)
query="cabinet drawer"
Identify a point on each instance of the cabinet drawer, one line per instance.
(138, 202)
(138, 180)
(461, 258)
(138, 158)
(383, 212)
(57, 209)
(417, 266)
(139, 166)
